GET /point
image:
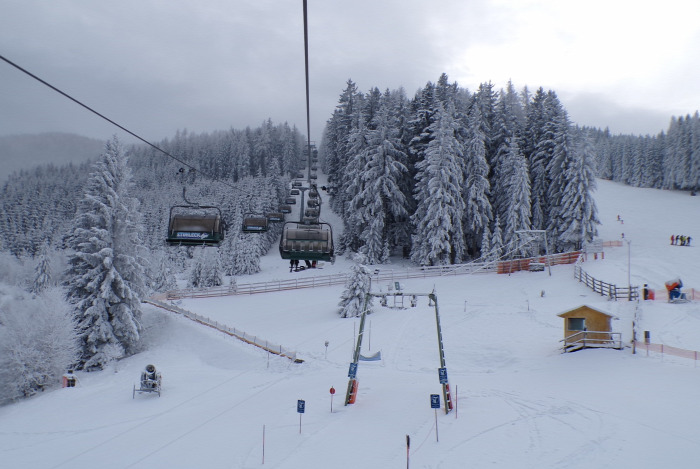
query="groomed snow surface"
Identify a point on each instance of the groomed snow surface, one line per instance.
(521, 403)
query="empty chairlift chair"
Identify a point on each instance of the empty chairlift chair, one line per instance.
(307, 242)
(195, 225)
(275, 217)
(254, 224)
(285, 208)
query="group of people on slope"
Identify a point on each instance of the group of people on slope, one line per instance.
(680, 240)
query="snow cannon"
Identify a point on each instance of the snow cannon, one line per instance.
(675, 284)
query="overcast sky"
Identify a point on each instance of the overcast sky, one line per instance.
(156, 66)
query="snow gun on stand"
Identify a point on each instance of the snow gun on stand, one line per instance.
(674, 291)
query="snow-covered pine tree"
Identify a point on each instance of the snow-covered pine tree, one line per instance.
(206, 269)
(517, 194)
(106, 271)
(380, 199)
(438, 237)
(581, 223)
(162, 276)
(43, 275)
(497, 239)
(475, 188)
(244, 255)
(352, 301)
(537, 149)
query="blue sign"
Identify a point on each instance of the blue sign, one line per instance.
(442, 372)
(352, 373)
(301, 406)
(435, 401)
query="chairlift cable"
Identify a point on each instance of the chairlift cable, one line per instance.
(306, 68)
(27, 72)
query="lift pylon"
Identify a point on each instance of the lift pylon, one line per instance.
(351, 394)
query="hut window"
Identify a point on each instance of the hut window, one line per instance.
(576, 324)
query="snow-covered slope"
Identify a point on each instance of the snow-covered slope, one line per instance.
(521, 404)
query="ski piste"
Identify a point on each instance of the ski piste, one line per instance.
(353, 383)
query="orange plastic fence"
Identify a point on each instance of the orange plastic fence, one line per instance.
(507, 267)
(668, 350)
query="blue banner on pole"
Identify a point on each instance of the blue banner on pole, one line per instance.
(435, 401)
(442, 373)
(352, 373)
(301, 406)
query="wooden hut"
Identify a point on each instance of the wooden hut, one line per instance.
(586, 327)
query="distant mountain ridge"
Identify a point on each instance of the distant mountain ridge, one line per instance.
(28, 151)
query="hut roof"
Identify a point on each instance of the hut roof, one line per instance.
(579, 309)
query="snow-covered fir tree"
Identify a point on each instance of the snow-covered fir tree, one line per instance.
(439, 238)
(476, 186)
(517, 193)
(43, 275)
(581, 222)
(106, 276)
(379, 200)
(162, 276)
(354, 297)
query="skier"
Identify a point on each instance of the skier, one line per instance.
(672, 239)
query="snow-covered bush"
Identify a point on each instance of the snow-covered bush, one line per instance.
(38, 341)
(352, 301)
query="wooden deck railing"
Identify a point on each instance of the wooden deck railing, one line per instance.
(592, 339)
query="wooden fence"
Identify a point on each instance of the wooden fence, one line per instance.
(610, 290)
(379, 275)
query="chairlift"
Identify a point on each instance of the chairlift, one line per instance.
(312, 203)
(297, 184)
(313, 176)
(312, 212)
(285, 208)
(294, 192)
(195, 225)
(314, 167)
(254, 223)
(312, 242)
(275, 217)
(290, 201)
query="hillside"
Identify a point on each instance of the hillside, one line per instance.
(19, 152)
(521, 403)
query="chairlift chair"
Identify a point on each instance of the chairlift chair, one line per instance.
(297, 183)
(313, 176)
(285, 208)
(312, 242)
(254, 223)
(312, 212)
(195, 225)
(275, 217)
(290, 201)
(312, 203)
(294, 192)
